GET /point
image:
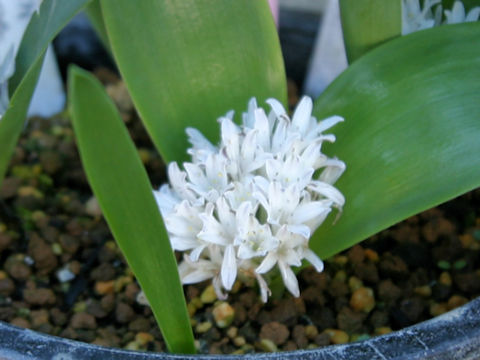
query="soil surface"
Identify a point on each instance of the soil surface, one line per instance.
(63, 274)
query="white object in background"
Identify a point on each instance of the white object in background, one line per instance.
(328, 59)
(275, 11)
(49, 95)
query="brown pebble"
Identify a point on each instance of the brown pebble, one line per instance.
(456, 301)
(267, 345)
(69, 333)
(311, 331)
(39, 297)
(208, 295)
(5, 241)
(82, 320)
(445, 279)
(371, 255)
(412, 308)
(363, 300)
(103, 272)
(337, 336)
(437, 309)
(379, 318)
(299, 336)
(338, 289)
(287, 310)
(104, 287)
(7, 287)
(124, 313)
(388, 291)
(143, 338)
(367, 271)
(50, 234)
(51, 161)
(203, 327)
(58, 317)
(290, 346)
(322, 339)
(42, 254)
(95, 308)
(75, 267)
(424, 291)
(394, 266)
(351, 321)
(468, 282)
(223, 314)
(21, 322)
(356, 254)
(108, 302)
(39, 317)
(70, 244)
(232, 332)
(383, 330)
(239, 341)
(438, 227)
(16, 268)
(131, 292)
(275, 331)
(9, 187)
(7, 313)
(139, 324)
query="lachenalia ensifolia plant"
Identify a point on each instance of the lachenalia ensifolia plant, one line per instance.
(253, 200)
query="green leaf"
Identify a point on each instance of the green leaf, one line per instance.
(94, 12)
(40, 31)
(123, 190)
(12, 122)
(411, 133)
(186, 63)
(43, 27)
(369, 23)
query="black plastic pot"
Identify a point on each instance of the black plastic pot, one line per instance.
(454, 335)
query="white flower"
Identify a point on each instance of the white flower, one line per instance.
(250, 204)
(457, 14)
(414, 18)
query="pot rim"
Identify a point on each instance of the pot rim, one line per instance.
(453, 335)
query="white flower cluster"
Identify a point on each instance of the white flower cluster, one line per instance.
(414, 18)
(253, 202)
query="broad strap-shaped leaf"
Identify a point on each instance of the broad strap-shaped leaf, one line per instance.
(121, 185)
(411, 136)
(186, 63)
(94, 12)
(369, 23)
(12, 122)
(43, 27)
(40, 31)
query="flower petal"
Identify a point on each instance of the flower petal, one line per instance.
(289, 279)
(314, 259)
(228, 272)
(302, 114)
(267, 264)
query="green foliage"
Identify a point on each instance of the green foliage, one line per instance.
(187, 63)
(369, 23)
(94, 12)
(123, 190)
(39, 33)
(12, 121)
(411, 132)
